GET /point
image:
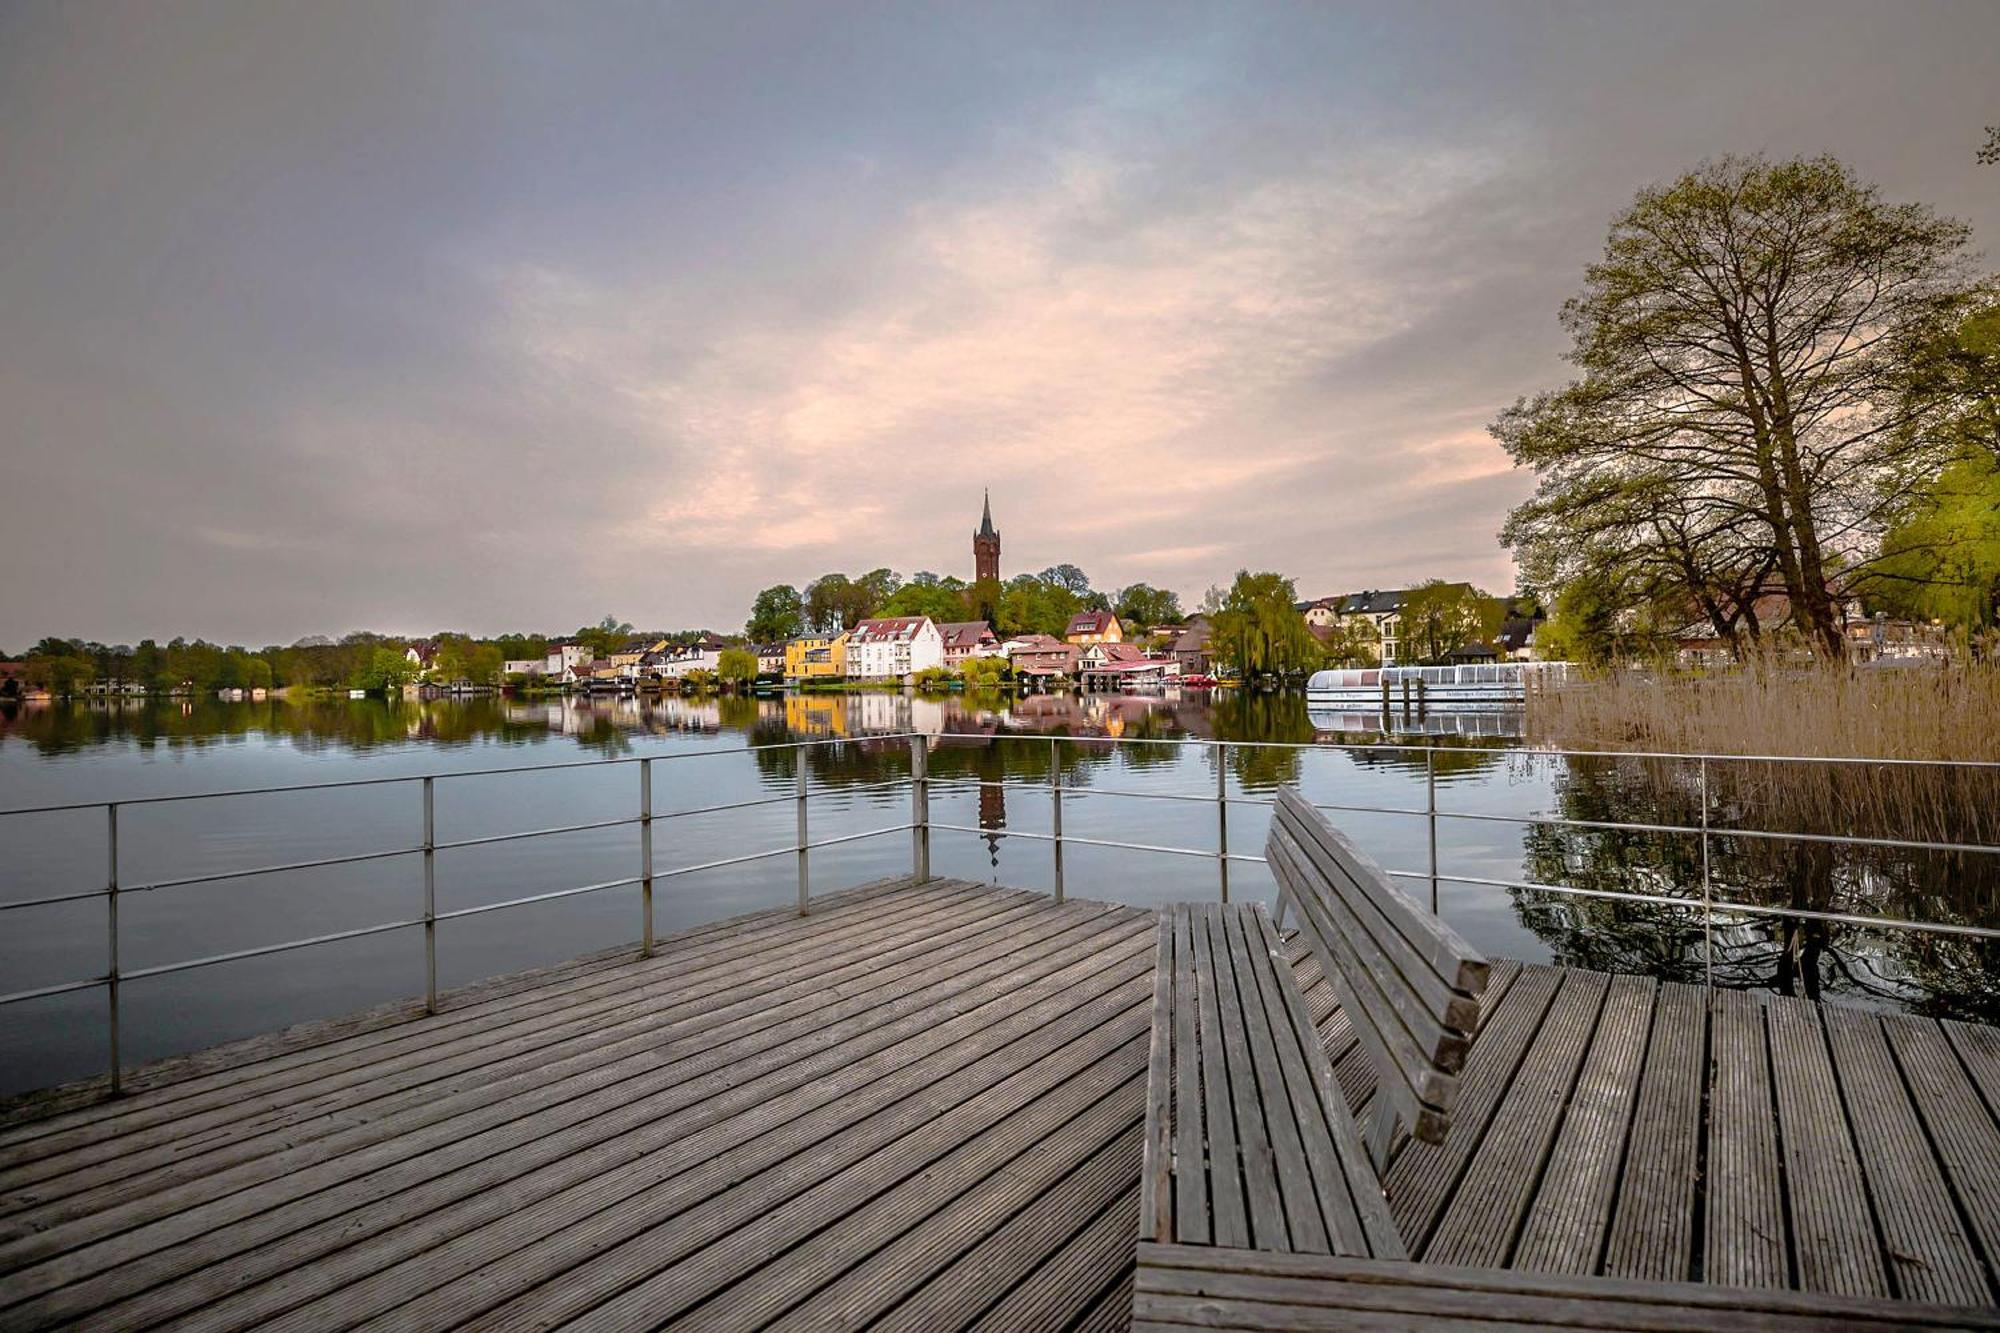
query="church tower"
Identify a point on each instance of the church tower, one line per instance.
(986, 546)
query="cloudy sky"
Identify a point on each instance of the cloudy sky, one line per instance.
(416, 316)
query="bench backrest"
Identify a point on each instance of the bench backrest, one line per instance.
(1408, 983)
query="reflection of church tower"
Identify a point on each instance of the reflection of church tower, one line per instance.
(993, 813)
(986, 546)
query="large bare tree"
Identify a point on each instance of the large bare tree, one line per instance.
(1745, 399)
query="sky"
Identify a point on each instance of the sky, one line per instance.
(491, 317)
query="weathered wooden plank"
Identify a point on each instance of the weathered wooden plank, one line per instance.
(1340, 1186)
(1190, 1169)
(1229, 1221)
(1057, 1293)
(425, 1184)
(1404, 1072)
(1960, 1125)
(431, 1285)
(1833, 1228)
(1652, 1229)
(1425, 1001)
(1455, 961)
(1156, 1198)
(1423, 1176)
(33, 1114)
(1571, 1214)
(175, 1113)
(1262, 1205)
(599, 1058)
(986, 1270)
(912, 1225)
(377, 1100)
(1744, 1232)
(1931, 1258)
(1481, 1222)
(1112, 1312)
(1295, 1286)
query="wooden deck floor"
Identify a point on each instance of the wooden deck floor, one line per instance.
(921, 1107)
(918, 1107)
(1613, 1126)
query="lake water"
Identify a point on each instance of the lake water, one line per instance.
(58, 754)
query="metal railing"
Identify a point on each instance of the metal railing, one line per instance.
(1705, 830)
(921, 825)
(646, 877)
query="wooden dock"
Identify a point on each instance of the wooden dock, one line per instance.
(922, 1107)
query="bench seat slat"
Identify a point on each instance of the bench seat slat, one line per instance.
(1442, 950)
(1420, 1093)
(1248, 1141)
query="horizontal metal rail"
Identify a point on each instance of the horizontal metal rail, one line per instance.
(1719, 905)
(133, 973)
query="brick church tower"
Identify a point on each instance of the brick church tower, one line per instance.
(986, 547)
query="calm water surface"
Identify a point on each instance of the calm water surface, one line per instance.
(86, 753)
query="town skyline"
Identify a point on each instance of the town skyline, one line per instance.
(478, 318)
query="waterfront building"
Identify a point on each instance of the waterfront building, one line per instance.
(629, 652)
(526, 666)
(1041, 656)
(568, 661)
(1088, 627)
(422, 655)
(968, 638)
(813, 657)
(986, 545)
(893, 647)
(704, 654)
(770, 659)
(1190, 648)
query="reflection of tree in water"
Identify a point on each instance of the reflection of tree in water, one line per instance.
(1929, 972)
(311, 726)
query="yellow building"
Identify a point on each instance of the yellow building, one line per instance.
(813, 657)
(1088, 627)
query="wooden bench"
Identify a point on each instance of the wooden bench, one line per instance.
(1408, 983)
(1249, 1143)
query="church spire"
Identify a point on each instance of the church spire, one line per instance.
(986, 518)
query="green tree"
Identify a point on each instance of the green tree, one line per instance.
(386, 670)
(1353, 642)
(1256, 629)
(1439, 618)
(943, 600)
(736, 667)
(1745, 345)
(779, 613)
(1943, 561)
(1141, 606)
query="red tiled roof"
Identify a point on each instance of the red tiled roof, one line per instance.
(887, 630)
(1090, 622)
(965, 633)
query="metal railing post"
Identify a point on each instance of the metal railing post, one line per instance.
(430, 897)
(1055, 812)
(646, 857)
(111, 972)
(1707, 887)
(1431, 805)
(920, 809)
(1222, 817)
(805, 881)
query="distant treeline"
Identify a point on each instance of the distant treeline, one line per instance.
(360, 660)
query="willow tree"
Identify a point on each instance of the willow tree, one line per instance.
(1744, 346)
(1256, 628)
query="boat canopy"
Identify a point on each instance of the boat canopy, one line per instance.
(1488, 673)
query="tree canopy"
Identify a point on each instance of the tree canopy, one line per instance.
(1256, 628)
(1744, 414)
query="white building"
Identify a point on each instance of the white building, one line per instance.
(527, 666)
(567, 661)
(893, 648)
(704, 654)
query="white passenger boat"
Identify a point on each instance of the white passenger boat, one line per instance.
(1487, 685)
